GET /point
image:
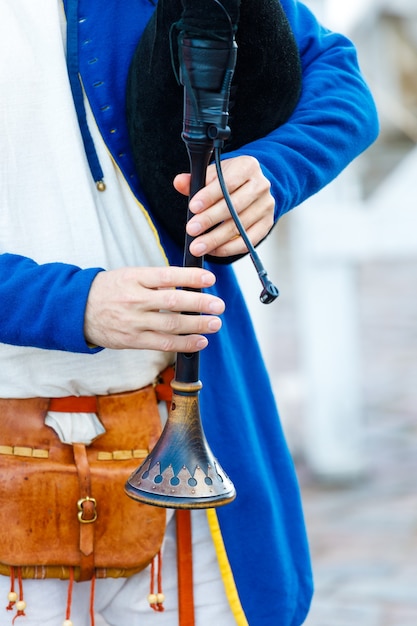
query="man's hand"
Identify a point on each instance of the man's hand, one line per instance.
(140, 308)
(251, 197)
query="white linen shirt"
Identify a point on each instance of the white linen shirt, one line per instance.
(50, 209)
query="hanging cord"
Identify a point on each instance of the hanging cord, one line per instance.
(270, 292)
(68, 621)
(156, 599)
(77, 93)
(92, 596)
(12, 596)
(20, 604)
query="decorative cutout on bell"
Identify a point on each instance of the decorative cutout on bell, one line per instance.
(181, 471)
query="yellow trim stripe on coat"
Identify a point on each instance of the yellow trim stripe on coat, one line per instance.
(225, 569)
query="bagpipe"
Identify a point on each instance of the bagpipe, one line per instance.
(207, 77)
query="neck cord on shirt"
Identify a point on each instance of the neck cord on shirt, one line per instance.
(77, 93)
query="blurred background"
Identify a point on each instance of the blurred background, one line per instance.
(341, 341)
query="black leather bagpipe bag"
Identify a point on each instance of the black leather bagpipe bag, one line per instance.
(265, 90)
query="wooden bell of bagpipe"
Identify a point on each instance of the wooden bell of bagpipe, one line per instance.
(181, 470)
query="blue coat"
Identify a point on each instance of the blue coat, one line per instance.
(260, 537)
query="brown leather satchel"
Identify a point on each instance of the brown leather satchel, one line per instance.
(63, 505)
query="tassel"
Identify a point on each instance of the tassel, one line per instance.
(92, 593)
(156, 599)
(12, 597)
(68, 621)
(20, 604)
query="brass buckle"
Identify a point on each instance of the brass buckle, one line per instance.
(80, 509)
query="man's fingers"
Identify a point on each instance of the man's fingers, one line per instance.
(241, 172)
(169, 343)
(182, 183)
(140, 308)
(181, 300)
(170, 277)
(179, 324)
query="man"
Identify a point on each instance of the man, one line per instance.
(87, 278)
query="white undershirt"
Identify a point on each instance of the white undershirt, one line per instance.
(51, 210)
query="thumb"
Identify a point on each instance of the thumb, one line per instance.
(182, 183)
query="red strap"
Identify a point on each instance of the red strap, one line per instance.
(185, 568)
(74, 404)
(163, 387)
(89, 404)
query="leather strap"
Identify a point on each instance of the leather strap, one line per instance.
(185, 568)
(90, 404)
(86, 512)
(162, 385)
(74, 404)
